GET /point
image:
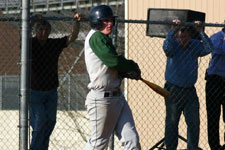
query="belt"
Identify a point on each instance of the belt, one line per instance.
(112, 93)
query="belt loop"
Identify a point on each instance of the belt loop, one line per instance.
(106, 94)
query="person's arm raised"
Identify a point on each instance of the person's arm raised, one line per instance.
(75, 29)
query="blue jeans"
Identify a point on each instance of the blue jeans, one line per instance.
(43, 108)
(215, 98)
(182, 100)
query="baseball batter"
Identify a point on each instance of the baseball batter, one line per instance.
(107, 108)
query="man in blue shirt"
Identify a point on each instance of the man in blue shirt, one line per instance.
(181, 75)
(215, 88)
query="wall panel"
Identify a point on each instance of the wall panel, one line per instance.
(148, 52)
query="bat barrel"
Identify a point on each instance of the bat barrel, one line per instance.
(163, 92)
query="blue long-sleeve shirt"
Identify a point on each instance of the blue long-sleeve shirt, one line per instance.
(217, 63)
(182, 64)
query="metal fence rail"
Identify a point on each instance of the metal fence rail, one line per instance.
(15, 3)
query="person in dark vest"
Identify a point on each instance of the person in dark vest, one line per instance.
(215, 89)
(45, 53)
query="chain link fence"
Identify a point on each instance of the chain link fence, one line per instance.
(9, 81)
(147, 106)
(72, 129)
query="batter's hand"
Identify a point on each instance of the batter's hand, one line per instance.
(134, 75)
(137, 72)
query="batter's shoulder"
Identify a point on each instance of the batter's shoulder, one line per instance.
(98, 36)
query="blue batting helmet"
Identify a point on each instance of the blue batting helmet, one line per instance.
(98, 13)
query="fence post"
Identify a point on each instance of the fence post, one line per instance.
(114, 41)
(115, 34)
(24, 77)
(69, 92)
(1, 91)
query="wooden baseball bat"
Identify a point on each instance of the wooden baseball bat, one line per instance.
(161, 91)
